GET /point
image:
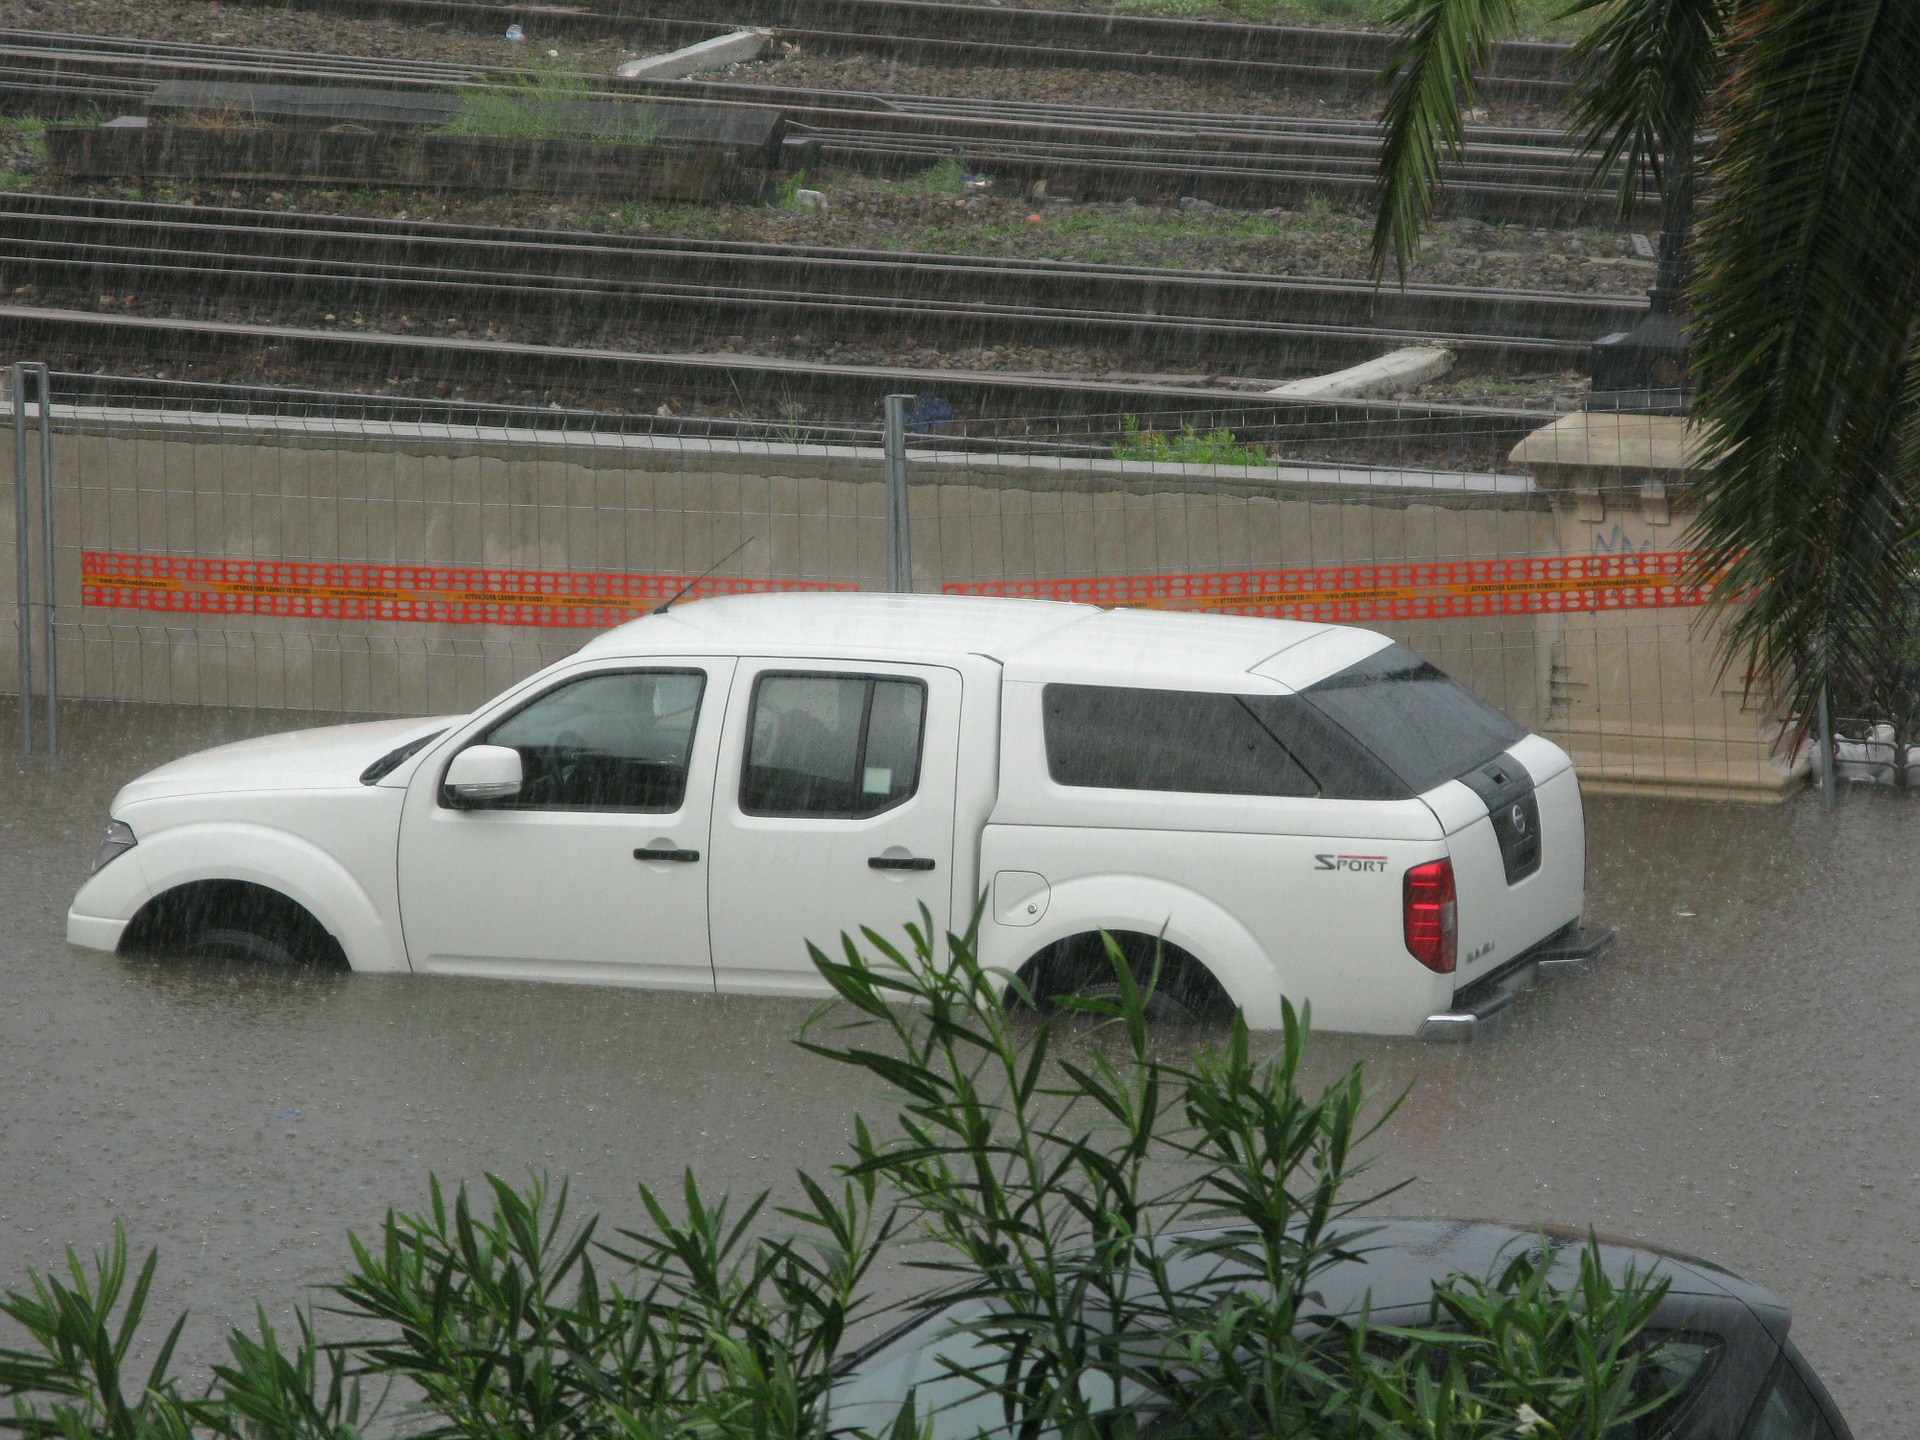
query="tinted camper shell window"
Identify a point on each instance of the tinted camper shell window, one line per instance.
(1424, 727)
(1387, 728)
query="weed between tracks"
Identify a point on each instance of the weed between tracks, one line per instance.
(23, 151)
(1127, 234)
(1188, 447)
(949, 177)
(549, 104)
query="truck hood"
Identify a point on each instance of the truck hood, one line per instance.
(328, 758)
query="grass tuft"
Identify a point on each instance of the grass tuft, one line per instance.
(549, 104)
(1188, 447)
(947, 177)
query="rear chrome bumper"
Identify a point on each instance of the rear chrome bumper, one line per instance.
(1575, 947)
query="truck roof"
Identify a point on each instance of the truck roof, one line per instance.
(1032, 639)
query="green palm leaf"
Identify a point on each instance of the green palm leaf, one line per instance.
(1432, 78)
(1805, 297)
(1645, 68)
(1642, 72)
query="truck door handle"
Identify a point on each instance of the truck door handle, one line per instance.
(900, 862)
(683, 857)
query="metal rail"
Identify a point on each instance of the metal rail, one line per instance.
(1370, 431)
(567, 281)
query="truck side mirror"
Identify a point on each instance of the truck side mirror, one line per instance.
(484, 772)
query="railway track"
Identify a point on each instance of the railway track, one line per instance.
(1300, 58)
(570, 283)
(1087, 154)
(1079, 151)
(53, 71)
(983, 405)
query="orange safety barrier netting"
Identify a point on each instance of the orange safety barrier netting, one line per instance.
(454, 595)
(1439, 590)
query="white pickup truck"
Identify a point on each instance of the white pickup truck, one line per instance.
(1288, 809)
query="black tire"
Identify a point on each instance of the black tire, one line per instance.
(1167, 1005)
(1185, 994)
(234, 923)
(247, 946)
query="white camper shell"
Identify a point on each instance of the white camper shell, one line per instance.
(1278, 809)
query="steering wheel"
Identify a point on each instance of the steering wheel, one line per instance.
(563, 773)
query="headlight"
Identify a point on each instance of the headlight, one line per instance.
(119, 840)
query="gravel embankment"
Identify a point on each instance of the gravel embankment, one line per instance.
(1070, 85)
(1543, 390)
(865, 213)
(801, 343)
(265, 371)
(921, 215)
(926, 214)
(209, 22)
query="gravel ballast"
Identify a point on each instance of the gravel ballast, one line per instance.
(927, 215)
(210, 22)
(213, 22)
(1068, 85)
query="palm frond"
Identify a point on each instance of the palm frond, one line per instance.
(1806, 297)
(1644, 71)
(1910, 408)
(1432, 79)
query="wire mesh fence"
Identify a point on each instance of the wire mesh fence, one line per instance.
(231, 546)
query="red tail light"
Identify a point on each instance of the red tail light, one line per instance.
(1432, 919)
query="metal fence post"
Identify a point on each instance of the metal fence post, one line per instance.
(899, 542)
(1829, 781)
(47, 651)
(23, 555)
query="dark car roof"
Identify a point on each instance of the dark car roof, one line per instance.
(1400, 1261)
(1397, 1263)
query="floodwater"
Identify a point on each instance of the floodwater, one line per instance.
(1738, 1081)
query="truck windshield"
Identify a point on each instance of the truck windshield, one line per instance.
(1422, 726)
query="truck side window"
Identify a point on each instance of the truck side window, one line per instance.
(832, 746)
(1117, 738)
(605, 742)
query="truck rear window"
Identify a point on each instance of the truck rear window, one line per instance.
(1421, 725)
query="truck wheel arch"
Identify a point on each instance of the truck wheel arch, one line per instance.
(185, 915)
(1188, 923)
(298, 871)
(1185, 989)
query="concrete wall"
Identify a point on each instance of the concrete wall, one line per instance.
(1644, 700)
(402, 493)
(1611, 685)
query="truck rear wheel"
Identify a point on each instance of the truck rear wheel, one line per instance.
(1185, 992)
